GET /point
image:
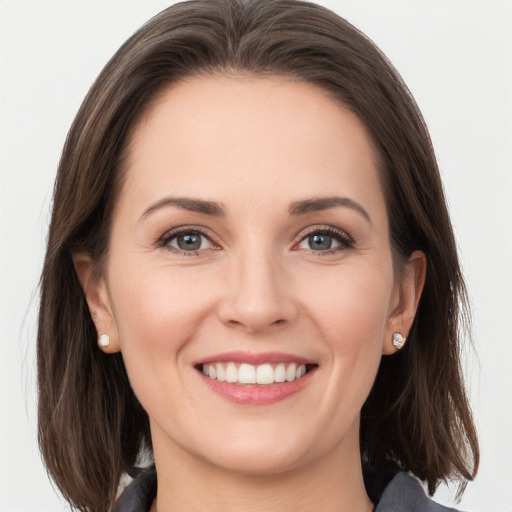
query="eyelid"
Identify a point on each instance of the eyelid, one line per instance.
(164, 239)
(342, 236)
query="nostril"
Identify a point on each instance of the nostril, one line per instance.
(235, 323)
(253, 323)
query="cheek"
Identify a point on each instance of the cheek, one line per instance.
(156, 313)
(351, 305)
(351, 312)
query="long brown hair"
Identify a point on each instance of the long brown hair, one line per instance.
(91, 426)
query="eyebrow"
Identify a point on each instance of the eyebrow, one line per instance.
(324, 203)
(187, 203)
(296, 208)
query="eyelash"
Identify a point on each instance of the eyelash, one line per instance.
(345, 240)
(165, 240)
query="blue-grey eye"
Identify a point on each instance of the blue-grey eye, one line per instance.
(320, 242)
(325, 241)
(188, 242)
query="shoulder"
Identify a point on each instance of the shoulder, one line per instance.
(405, 494)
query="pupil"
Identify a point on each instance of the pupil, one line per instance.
(320, 242)
(189, 242)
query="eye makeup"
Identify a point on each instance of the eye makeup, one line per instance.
(187, 241)
(324, 240)
(192, 240)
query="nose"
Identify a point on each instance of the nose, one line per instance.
(258, 297)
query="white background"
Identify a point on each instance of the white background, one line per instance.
(456, 57)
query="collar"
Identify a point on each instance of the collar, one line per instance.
(398, 492)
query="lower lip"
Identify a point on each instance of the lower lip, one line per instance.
(258, 395)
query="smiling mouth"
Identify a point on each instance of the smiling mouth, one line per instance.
(248, 374)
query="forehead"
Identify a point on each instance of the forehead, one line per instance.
(207, 134)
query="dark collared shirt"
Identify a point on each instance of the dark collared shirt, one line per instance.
(401, 494)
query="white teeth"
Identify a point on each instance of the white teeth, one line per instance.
(290, 372)
(263, 374)
(221, 373)
(247, 374)
(231, 373)
(280, 373)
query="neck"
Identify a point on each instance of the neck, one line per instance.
(332, 484)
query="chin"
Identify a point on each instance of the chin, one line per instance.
(258, 462)
(260, 451)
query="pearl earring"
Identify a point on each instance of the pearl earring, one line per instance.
(398, 340)
(104, 341)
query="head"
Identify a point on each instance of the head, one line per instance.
(415, 413)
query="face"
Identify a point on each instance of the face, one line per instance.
(250, 242)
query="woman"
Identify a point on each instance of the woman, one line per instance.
(247, 217)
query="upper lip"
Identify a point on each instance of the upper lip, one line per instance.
(254, 358)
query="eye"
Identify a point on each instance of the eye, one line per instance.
(325, 240)
(186, 241)
(320, 242)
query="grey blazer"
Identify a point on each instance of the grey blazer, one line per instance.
(401, 494)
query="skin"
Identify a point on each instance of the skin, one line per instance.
(255, 146)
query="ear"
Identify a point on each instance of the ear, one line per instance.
(406, 299)
(96, 295)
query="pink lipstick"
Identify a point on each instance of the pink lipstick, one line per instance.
(256, 379)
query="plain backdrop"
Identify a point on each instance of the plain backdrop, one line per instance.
(455, 56)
